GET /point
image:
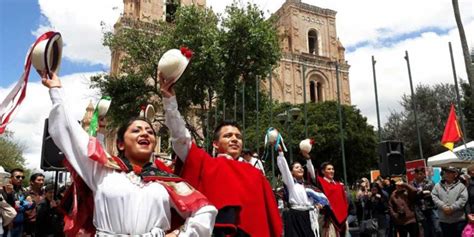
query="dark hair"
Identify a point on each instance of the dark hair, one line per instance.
(49, 187)
(293, 164)
(246, 151)
(121, 131)
(34, 176)
(375, 185)
(324, 165)
(17, 170)
(217, 131)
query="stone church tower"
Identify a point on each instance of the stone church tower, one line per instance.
(146, 11)
(310, 45)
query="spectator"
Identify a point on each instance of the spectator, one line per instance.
(377, 205)
(424, 205)
(470, 192)
(16, 197)
(49, 221)
(402, 209)
(450, 196)
(35, 192)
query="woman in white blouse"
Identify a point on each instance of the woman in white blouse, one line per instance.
(302, 215)
(131, 195)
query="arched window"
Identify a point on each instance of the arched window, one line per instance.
(319, 90)
(313, 42)
(312, 91)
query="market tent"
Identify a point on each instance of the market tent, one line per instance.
(448, 158)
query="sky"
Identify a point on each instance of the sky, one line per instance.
(383, 29)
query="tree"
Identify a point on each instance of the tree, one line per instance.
(245, 47)
(323, 127)
(432, 110)
(11, 153)
(468, 111)
(465, 47)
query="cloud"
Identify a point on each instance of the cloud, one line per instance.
(430, 64)
(384, 29)
(80, 25)
(28, 122)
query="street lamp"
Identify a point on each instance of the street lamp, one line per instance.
(286, 118)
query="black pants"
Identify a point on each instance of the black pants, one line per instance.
(452, 229)
(411, 228)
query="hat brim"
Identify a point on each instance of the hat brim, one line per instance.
(150, 113)
(47, 54)
(177, 70)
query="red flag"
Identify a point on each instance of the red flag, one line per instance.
(452, 133)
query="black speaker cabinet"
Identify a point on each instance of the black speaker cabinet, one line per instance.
(391, 158)
(51, 157)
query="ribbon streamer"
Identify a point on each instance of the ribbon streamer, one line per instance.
(18, 93)
(98, 112)
(279, 139)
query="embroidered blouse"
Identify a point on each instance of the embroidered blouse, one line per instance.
(123, 203)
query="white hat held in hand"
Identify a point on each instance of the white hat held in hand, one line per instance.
(306, 145)
(46, 55)
(173, 63)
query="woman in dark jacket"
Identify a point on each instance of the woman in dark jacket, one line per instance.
(377, 204)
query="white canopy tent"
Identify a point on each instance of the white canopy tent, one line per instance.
(448, 158)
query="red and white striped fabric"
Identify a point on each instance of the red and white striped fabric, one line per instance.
(18, 93)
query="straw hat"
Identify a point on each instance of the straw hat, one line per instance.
(173, 63)
(46, 55)
(306, 145)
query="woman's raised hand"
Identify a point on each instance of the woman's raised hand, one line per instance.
(54, 82)
(166, 87)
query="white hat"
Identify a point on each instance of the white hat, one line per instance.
(46, 55)
(173, 63)
(104, 105)
(148, 113)
(306, 145)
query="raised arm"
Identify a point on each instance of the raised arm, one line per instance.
(285, 171)
(69, 136)
(180, 136)
(310, 167)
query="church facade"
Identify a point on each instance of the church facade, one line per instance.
(311, 51)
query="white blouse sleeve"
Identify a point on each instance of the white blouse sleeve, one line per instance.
(260, 166)
(310, 167)
(285, 171)
(72, 140)
(199, 223)
(180, 136)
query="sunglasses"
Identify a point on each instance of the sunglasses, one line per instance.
(20, 177)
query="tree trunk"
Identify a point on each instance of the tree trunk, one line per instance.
(465, 48)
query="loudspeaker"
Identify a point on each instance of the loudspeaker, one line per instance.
(51, 157)
(391, 158)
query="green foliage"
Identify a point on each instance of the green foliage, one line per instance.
(11, 153)
(323, 127)
(244, 49)
(129, 93)
(468, 110)
(433, 104)
(250, 49)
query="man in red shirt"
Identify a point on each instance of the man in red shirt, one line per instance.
(243, 196)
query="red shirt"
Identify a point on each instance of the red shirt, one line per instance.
(228, 182)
